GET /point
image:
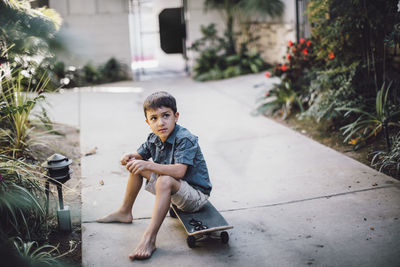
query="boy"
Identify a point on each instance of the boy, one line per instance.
(177, 174)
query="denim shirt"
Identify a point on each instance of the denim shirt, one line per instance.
(181, 146)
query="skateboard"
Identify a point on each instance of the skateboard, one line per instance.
(203, 223)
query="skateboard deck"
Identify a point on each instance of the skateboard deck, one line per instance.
(203, 222)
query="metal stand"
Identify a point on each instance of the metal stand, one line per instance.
(47, 189)
(63, 213)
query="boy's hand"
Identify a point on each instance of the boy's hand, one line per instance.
(126, 158)
(136, 166)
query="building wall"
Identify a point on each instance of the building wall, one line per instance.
(274, 33)
(197, 17)
(94, 30)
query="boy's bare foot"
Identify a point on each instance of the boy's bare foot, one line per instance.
(144, 250)
(117, 216)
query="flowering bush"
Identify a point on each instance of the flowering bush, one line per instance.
(295, 73)
(299, 59)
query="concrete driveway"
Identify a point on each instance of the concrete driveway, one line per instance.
(292, 201)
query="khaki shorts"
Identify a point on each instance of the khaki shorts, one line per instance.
(186, 199)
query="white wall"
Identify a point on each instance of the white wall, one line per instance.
(95, 30)
(276, 33)
(196, 17)
(289, 15)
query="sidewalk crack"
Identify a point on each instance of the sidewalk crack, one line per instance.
(309, 199)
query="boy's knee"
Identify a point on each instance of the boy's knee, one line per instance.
(165, 182)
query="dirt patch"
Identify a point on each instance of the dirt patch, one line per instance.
(63, 140)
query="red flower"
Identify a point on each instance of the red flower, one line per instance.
(283, 67)
(305, 51)
(288, 56)
(331, 55)
(302, 40)
(308, 43)
(267, 74)
(266, 94)
(290, 43)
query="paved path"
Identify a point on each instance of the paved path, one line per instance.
(292, 201)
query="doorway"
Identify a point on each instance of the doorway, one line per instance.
(149, 61)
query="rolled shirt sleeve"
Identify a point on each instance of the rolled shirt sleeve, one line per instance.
(185, 151)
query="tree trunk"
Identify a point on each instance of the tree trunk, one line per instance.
(231, 50)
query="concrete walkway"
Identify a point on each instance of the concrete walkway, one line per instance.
(292, 201)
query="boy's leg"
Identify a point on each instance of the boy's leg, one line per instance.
(165, 187)
(124, 213)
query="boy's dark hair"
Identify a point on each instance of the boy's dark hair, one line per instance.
(158, 100)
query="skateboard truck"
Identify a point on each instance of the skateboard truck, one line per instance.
(202, 224)
(192, 239)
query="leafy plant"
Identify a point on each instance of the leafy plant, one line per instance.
(393, 37)
(210, 49)
(90, 73)
(28, 36)
(282, 98)
(214, 62)
(330, 90)
(369, 124)
(295, 78)
(16, 107)
(388, 160)
(35, 255)
(113, 71)
(21, 200)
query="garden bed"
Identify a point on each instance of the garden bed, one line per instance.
(65, 142)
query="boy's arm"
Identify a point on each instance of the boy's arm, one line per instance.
(177, 170)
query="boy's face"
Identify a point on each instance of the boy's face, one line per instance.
(162, 121)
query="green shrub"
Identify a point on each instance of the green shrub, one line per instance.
(91, 74)
(210, 48)
(21, 201)
(281, 98)
(113, 71)
(17, 103)
(214, 62)
(331, 90)
(388, 161)
(35, 255)
(369, 124)
(295, 74)
(68, 77)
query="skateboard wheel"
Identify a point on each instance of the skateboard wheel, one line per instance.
(224, 237)
(191, 241)
(172, 213)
